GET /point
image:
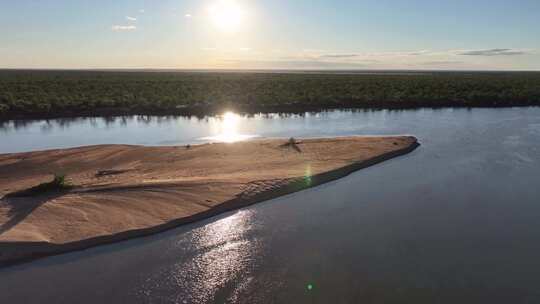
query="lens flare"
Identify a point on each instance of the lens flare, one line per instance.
(307, 175)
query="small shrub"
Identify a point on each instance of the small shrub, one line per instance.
(292, 143)
(3, 108)
(59, 181)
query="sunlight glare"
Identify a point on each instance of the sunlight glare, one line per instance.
(226, 15)
(227, 127)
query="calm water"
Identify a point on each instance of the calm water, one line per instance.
(456, 221)
(21, 136)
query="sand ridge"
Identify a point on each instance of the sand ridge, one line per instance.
(120, 190)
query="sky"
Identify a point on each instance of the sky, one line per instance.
(270, 34)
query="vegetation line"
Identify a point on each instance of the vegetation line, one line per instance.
(43, 94)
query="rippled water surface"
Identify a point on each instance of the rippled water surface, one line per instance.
(456, 221)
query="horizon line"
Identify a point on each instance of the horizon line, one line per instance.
(293, 70)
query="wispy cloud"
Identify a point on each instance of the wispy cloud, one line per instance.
(322, 55)
(418, 53)
(401, 54)
(188, 15)
(347, 59)
(129, 18)
(141, 11)
(290, 64)
(121, 28)
(338, 55)
(493, 52)
(420, 57)
(441, 62)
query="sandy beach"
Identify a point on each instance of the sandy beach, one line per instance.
(119, 191)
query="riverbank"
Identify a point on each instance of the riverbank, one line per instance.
(118, 192)
(202, 112)
(54, 94)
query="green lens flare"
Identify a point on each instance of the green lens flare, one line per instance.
(307, 175)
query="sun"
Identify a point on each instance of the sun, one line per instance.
(227, 15)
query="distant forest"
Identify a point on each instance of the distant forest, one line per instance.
(42, 94)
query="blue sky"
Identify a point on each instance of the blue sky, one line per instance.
(300, 34)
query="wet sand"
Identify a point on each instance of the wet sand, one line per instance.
(121, 191)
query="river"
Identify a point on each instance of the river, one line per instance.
(456, 221)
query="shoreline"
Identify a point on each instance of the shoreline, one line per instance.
(18, 252)
(202, 112)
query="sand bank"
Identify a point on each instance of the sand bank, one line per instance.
(121, 191)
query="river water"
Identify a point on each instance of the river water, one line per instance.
(456, 221)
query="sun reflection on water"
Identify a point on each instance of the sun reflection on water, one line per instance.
(221, 256)
(226, 128)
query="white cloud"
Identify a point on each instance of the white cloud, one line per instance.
(188, 15)
(120, 28)
(141, 11)
(245, 49)
(129, 18)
